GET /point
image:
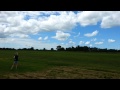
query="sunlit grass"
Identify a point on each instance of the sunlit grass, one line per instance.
(54, 64)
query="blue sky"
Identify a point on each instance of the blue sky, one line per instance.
(47, 29)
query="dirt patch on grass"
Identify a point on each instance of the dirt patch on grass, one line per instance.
(64, 72)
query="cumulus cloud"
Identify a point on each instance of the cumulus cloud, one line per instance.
(91, 45)
(88, 42)
(111, 40)
(108, 18)
(88, 17)
(33, 22)
(111, 20)
(46, 38)
(81, 42)
(77, 35)
(28, 22)
(26, 43)
(22, 24)
(62, 43)
(20, 35)
(91, 34)
(64, 21)
(40, 38)
(61, 36)
(2, 35)
(98, 42)
(71, 42)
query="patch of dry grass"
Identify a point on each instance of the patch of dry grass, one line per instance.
(64, 72)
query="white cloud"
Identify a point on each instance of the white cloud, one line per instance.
(77, 35)
(64, 21)
(90, 45)
(94, 39)
(20, 35)
(25, 43)
(98, 42)
(24, 36)
(88, 17)
(61, 36)
(81, 42)
(2, 35)
(46, 38)
(88, 42)
(111, 20)
(16, 22)
(62, 43)
(71, 42)
(111, 40)
(40, 38)
(20, 24)
(91, 34)
(108, 18)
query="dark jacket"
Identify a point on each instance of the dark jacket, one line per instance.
(16, 58)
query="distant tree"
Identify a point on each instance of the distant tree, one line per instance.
(73, 49)
(78, 48)
(44, 49)
(52, 49)
(62, 49)
(58, 47)
(69, 49)
(24, 49)
(85, 48)
(32, 48)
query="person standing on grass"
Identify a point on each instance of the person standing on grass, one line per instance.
(15, 63)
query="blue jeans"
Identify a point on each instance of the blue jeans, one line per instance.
(15, 62)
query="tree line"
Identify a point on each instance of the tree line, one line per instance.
(86, 49)
(77, 48)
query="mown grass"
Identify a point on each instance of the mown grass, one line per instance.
(62, 64)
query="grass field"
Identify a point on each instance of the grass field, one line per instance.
(60, 65)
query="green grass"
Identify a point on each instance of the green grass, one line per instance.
(62, 64)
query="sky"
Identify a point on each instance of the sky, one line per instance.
(48, 29)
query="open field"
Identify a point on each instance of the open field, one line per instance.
(60, 65)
